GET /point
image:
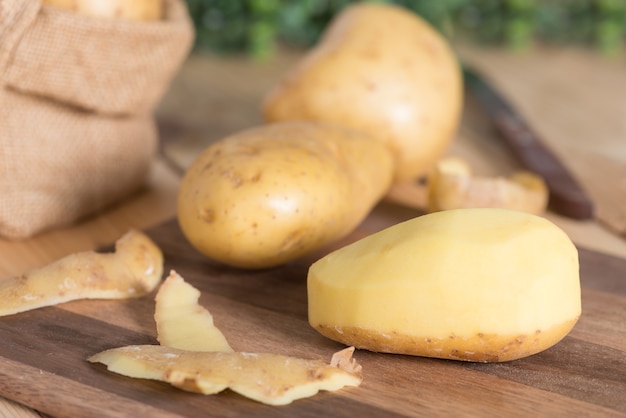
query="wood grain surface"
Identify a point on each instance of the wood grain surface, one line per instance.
(42, 356)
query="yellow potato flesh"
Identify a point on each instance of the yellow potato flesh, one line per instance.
(268, 195)
(182, 322)
(381, 69)
(468, 284)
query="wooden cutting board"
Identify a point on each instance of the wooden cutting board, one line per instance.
(43, 352)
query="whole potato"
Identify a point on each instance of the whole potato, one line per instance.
(381, 69)
(270, 194)
(140, 10)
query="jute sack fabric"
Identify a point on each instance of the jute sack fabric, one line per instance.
(105, 65)
(72, 140)
(58, 164)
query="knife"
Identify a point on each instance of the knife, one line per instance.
(566, 196)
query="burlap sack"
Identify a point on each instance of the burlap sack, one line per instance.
(104, 65)
(76, 98)
(58, 164)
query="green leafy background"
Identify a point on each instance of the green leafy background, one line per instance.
(257, 27)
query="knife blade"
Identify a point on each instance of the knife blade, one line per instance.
(566, 195)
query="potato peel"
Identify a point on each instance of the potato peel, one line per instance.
(133, 270)
(195, 356)
(452, 186)
(268, 378)
(181, 322)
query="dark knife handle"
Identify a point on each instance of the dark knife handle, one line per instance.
(566, 195)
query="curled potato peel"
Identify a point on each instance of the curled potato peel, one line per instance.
(452, 186)
(268, 378)
(194, 356)
(133, 270)
(182, 322)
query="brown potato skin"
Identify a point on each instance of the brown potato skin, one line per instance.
(270, 194)
(484, 348)
(381, 69)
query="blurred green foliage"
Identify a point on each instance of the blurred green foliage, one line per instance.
(257, 26)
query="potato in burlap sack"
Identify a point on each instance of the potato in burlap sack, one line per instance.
(77, 97)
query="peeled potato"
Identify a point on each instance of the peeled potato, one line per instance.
(451, 185)
(384, 70)
(270, 194)
(485, 285)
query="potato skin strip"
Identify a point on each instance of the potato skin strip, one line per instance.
(133, 270)
(452, 185)
(268, 378)
(182, 322)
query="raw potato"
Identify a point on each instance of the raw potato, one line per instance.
(270, 194)
(133, 270)
(141, 10)
(381, 69)
(181, 322)
(269, 378)
(451, 185)
(486, 285)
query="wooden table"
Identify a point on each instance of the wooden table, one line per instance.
(574, 99)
